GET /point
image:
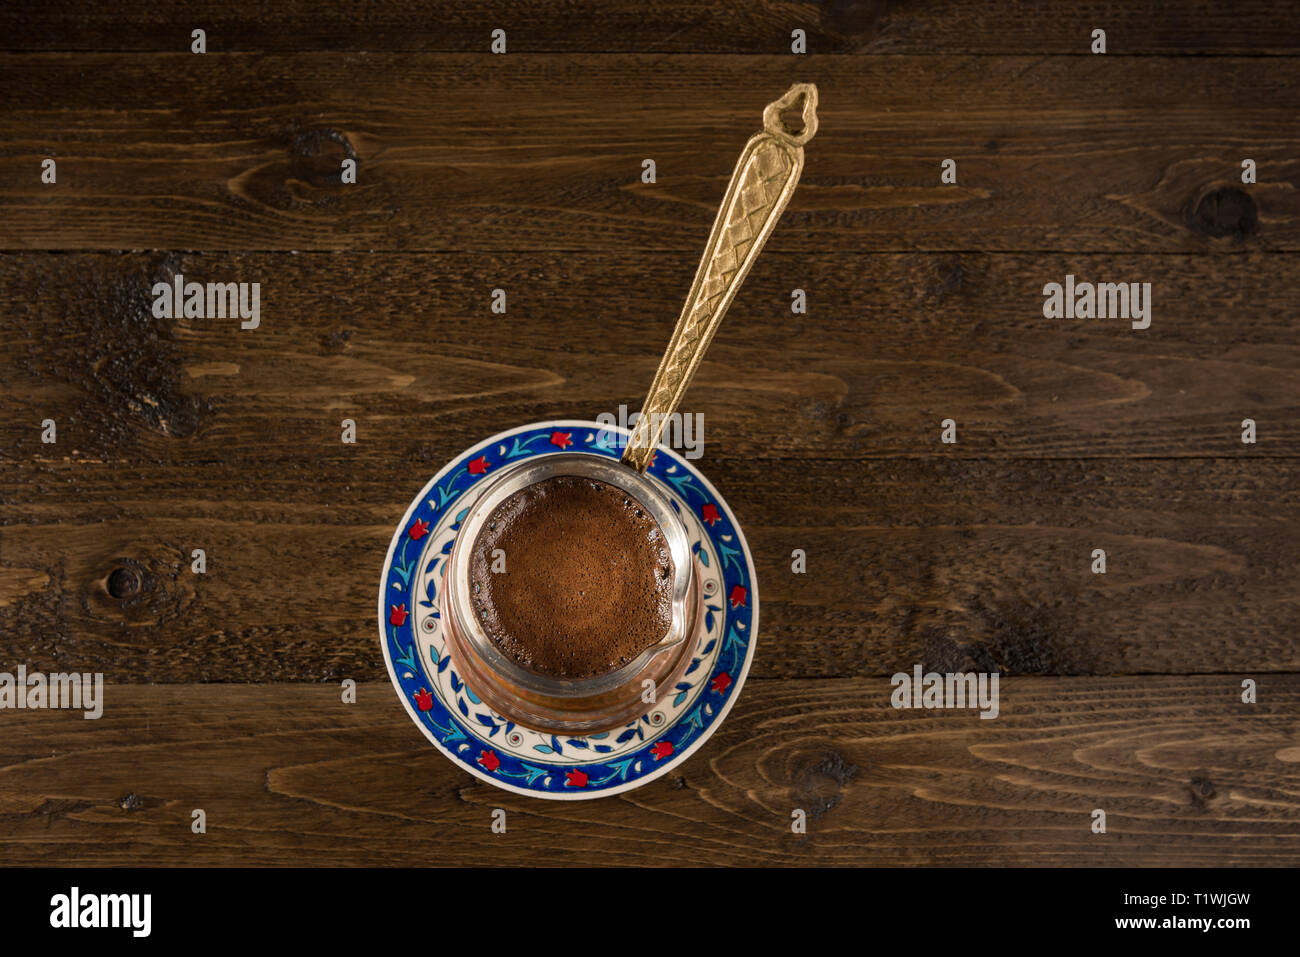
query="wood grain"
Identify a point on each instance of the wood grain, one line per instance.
(822, 431)
(407, 346)
(1187, 775)
(475, 152)
(1202, 27)
(956, 564)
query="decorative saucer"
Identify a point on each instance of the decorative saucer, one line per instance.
(537, 763)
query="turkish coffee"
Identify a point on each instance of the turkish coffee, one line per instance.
(571, 577)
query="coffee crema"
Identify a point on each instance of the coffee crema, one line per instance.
(588, 578)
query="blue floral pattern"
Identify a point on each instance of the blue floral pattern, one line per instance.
(536, 763)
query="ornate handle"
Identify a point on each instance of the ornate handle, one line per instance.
(761, 185)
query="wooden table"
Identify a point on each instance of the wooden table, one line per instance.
(1120, 691)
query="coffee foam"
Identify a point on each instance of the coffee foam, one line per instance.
(588, 582)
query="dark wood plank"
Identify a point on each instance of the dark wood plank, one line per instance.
(669, 26)
(408, 347)
(1186, 773)
(952, 563)
(532, 152)
(822, 431)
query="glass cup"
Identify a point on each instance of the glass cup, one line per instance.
(566, 705)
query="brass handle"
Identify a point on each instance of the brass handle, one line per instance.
(761, 185)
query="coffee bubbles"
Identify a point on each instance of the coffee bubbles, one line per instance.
(590, 579)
